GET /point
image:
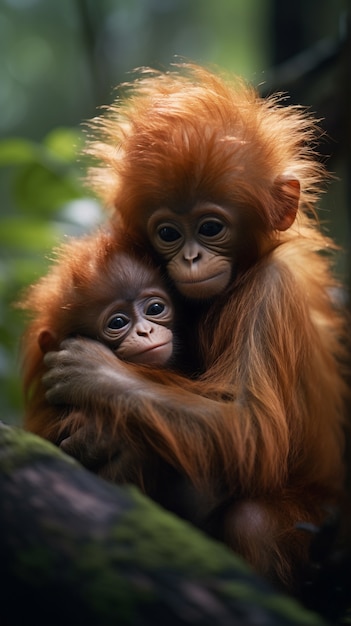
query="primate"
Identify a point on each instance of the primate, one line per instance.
(100, 289)
(221, 186)
(109, 290)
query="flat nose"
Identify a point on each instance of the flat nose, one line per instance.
(191, 253)
(143, 328)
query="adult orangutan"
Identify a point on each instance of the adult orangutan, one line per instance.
(222, 185)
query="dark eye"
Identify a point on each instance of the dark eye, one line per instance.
(168, 233)
(210, 229)
(117, 322)
(155, 308)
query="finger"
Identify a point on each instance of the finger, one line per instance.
(47, 380)
(71, 342)
(85, 446)
(53, 359)
(50, 379)
(53, 395)
(77, 343)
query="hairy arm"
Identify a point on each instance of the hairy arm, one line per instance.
(257, 410)
(86, 374)
(165, 410)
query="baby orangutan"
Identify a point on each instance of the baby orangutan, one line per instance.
(96, 289)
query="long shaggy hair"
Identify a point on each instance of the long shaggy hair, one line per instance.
(263, 422)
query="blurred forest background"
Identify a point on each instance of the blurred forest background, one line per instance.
(62, 60)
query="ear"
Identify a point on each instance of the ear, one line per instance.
(286, 195)
(47, 341)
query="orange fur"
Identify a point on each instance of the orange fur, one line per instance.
(204, 138)
(85, 277)
(260, 425)
(275, 339)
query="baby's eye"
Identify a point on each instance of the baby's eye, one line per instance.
(168, 234)
(155, 308)
(117, 322)
(210, 228)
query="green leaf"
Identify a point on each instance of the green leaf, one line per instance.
(18, 151)
(21, 235)
(42, 190)
(64, 143)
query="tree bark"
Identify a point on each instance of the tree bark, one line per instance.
(78, 550)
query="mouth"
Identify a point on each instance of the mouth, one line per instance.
(195, 281)
(156, 354)
(152, 348)
(204, 288)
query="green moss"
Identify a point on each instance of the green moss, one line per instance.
(154, 538)
(108, 591)
(17, 447)
(158, 542)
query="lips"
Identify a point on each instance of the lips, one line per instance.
(204, 288)
(155, 354)
(160, 345)
(197, 281)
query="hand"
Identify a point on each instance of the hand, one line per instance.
(92, 446)
(84, 373)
